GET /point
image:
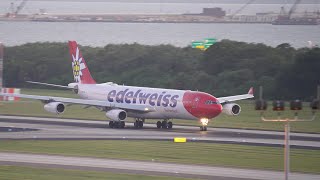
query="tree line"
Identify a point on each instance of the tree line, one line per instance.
(226, 68)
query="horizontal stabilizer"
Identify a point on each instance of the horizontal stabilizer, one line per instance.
(47, 84)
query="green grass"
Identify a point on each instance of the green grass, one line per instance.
(242, 156)
(21, 172)
(248, 119)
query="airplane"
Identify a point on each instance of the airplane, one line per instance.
(120, 101)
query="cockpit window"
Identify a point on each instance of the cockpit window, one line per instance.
(211, 102)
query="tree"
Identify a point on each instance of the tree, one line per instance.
(301, 78)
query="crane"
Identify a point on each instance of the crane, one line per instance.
(293, 8)
(286, 18)
(14, 12)
(20, 7)
(242, 7)
(284, 15)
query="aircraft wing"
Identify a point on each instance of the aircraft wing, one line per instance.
(134, 107)
(237, 97)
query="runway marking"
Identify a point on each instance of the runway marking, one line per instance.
(16, 129)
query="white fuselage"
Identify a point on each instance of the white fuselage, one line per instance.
(167, 103)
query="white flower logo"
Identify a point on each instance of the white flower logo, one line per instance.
(77, 66)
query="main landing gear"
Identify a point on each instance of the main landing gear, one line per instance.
(138, 123)
(117, 124)
(165, 124)
(204, 123)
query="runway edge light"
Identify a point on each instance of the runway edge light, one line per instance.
(180, 140)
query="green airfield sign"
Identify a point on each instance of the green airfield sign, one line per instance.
(203, 45)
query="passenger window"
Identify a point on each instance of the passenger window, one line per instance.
(210, 102)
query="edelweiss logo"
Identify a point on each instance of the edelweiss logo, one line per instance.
(77, 66)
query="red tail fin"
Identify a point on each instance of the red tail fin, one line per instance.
(250, 91)
(80, 69)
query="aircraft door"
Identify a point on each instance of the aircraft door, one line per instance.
(83, 94)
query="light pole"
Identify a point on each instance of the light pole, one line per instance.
(287, 138)
(1, 64)
(1, 68)
(279, 106)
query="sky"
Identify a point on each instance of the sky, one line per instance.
(203, 1)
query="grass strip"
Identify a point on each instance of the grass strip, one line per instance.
(242, 156)
(22, 172)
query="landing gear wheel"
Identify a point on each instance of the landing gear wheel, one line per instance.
(169, 125)
(111, 124)
(140, 124)
(116, 124)
(159, 124)
(122, 124)
(164, 125)
(203, 128)
(135, 124)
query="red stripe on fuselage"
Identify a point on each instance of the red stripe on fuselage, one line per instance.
(195, 104)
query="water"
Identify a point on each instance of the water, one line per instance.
(100, 34)
(53, 7)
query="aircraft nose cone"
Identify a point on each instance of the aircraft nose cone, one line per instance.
(216, 109)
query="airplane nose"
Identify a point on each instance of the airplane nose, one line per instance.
(216, 109)
(219, 107)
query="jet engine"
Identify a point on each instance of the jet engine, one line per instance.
(55, 107)
(116, 114)
(231, 109)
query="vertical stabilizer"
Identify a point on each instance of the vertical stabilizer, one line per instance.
(80, 69)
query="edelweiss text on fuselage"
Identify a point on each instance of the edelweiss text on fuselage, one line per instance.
(154, 99)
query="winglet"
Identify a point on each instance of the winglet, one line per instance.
(250, 91)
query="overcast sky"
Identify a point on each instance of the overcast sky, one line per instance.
(202, 1)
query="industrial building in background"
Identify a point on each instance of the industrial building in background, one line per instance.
(208, 15)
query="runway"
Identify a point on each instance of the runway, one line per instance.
(16, 127)
(24, 128)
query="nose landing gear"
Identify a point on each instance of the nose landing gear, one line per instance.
(204, 123)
